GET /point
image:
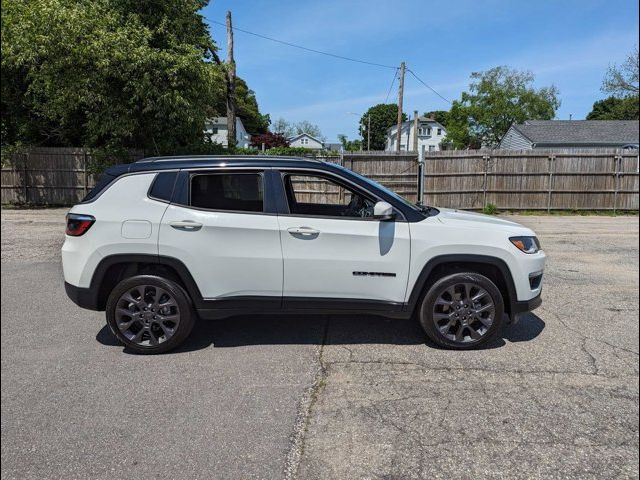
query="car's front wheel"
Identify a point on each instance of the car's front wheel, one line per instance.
(149, 314)
(462, 311)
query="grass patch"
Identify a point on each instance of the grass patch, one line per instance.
(581, 213)
(490, 209)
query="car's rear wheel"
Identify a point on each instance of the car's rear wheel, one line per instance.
(462, 311)
(149, 314)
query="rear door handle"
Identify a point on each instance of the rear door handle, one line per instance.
(186, 225)
(306, 231)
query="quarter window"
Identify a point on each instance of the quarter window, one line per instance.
(228, 191)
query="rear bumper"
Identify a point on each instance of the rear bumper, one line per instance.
(520, 308)
(83, 297)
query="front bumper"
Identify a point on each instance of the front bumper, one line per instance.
(521, 308)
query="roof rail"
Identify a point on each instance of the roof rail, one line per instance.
(173, 158)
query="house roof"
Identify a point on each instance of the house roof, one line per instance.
(296, 137)
(579, 131)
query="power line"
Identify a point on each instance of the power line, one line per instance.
(430, 88)
(306, 48)
(395, 75)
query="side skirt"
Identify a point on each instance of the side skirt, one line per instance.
(222, 308)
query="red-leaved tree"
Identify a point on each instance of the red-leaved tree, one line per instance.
(270, 140)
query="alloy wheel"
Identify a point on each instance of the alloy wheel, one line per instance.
(147, 315)
(464, 312)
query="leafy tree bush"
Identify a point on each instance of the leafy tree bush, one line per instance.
(496, 99)
(440, 116)
(614, 108)
(291, 151)
(349, 145)
(113, 75)
(382, 116)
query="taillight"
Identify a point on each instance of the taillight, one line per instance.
(78, 224)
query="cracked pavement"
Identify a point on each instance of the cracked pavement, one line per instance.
(556, 397)
(327, 397)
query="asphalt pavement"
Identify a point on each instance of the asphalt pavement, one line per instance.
(326, 397)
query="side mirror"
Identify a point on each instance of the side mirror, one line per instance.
(383, 211)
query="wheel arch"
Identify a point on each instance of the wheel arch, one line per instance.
(113, 269)
(491, 267)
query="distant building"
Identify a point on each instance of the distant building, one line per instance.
(305, 140)
(217, 128)
(430, 135)
(571, 134)
(334, 147)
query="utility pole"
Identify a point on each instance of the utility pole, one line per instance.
(231, 86)
(400, 95)
(415, 131)
(369, 132)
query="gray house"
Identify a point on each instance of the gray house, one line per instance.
(571, 134)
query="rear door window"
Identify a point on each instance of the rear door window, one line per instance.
(241, 192)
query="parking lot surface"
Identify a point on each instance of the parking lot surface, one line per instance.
(326, 397)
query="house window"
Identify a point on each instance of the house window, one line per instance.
(432, 148)
(428, 130)
(214, 130)
(439, 131)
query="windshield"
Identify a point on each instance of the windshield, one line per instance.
(398, 197)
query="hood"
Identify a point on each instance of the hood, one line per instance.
(470, 219)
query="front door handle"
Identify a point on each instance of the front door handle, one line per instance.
(186, 225)
(305, 231)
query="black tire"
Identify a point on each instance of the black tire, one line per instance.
(442, 321)
(165, 322)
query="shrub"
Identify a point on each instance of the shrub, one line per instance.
(490, 209)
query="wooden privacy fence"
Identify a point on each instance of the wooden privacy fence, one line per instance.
(510, 180)
(533, 179)
(50, 176)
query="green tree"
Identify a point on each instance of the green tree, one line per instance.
(614, 108)
(382, 116)
(440, 116)
(113, 74)
(349, 145)
(496, 99)
(246, 108)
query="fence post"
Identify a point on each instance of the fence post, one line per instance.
(84, 171)
(552, 159)
(25, 191)
(487, 159)
(617, 165)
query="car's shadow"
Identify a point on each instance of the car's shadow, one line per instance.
(316, 329)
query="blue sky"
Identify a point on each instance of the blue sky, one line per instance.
(567, 43)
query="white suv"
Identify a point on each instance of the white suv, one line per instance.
(163, 239)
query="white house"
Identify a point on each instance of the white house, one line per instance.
(217, 128)
(305, 140)
(430, 135)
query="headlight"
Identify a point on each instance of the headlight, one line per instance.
(526, 244)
